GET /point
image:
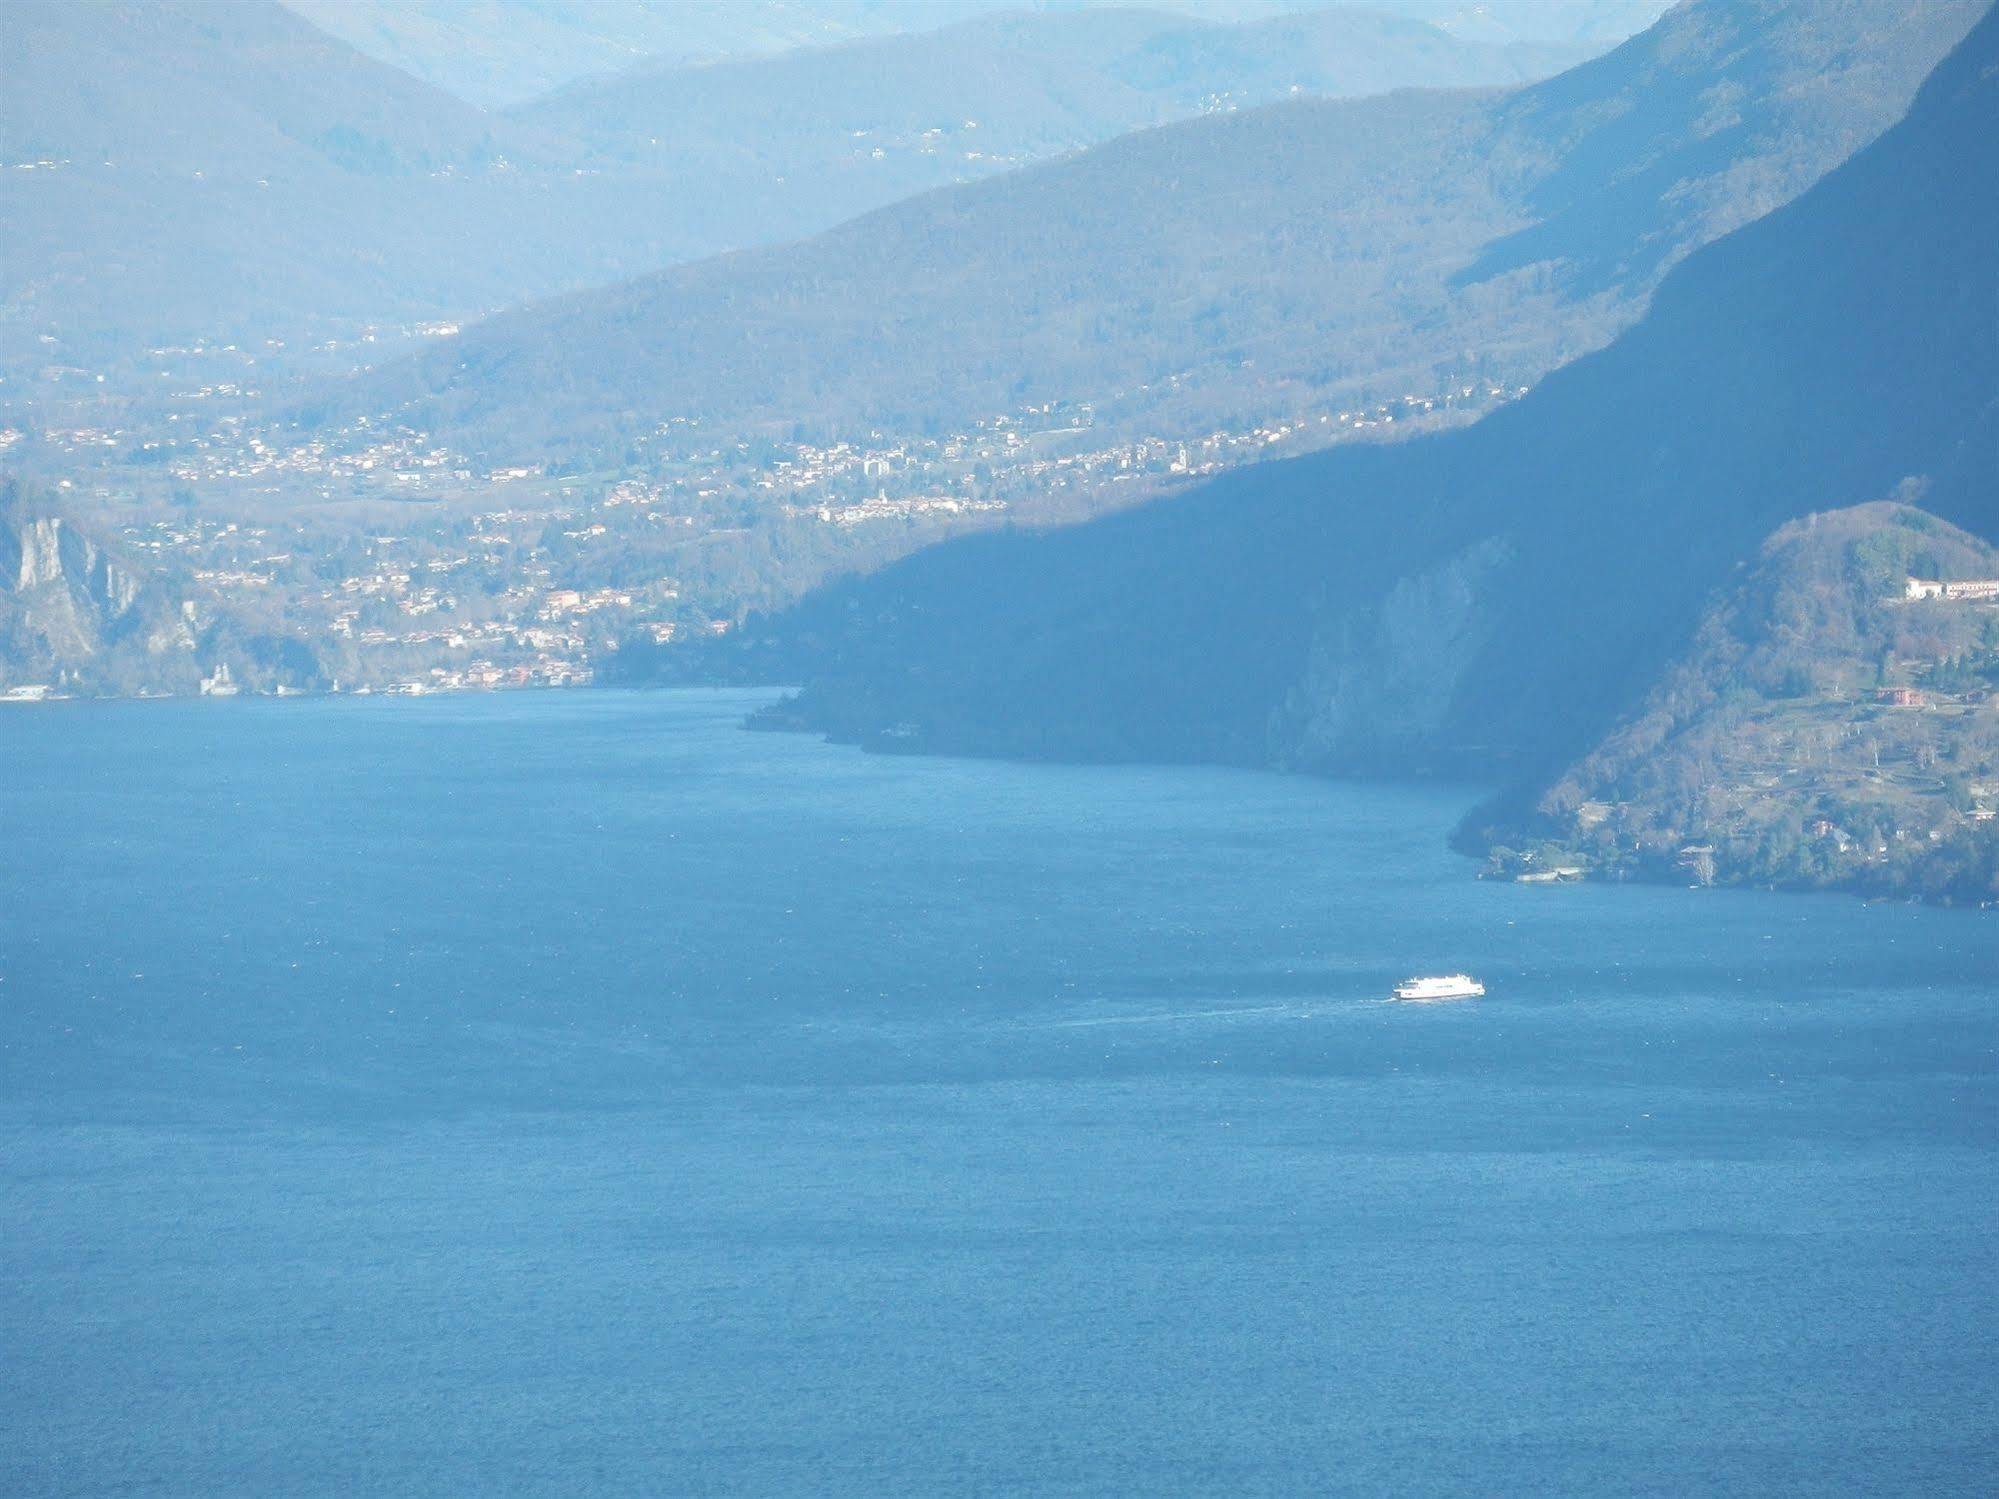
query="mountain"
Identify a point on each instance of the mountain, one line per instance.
(213, 171)
(1010, 89)
(1534, 20)
(1235, 269)
(180, 168)
(1823, 729)
(1332, 54)
(500, 52)
(1490, 602)
(893, 115)
(497, 53)
(179, 85)
(208, 172)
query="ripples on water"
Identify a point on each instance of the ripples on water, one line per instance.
(570, 1093)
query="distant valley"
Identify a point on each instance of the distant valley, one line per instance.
(304, 185)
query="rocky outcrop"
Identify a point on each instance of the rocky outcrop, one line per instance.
(39, 543)
(72, 615)
(1383, 676)
(52, 551)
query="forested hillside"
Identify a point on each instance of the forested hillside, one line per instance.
(1219, 271)
(201, 173)
(1822, 729)
(1486, 602)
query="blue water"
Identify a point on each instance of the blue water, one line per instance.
(572, 1094)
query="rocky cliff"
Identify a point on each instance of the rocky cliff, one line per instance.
(73, 616)
(1383, 673)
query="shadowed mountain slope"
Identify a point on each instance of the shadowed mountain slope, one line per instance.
(1495, 596)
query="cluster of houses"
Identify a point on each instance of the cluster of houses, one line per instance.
(882, 508)
(563, 603)
(486, 676)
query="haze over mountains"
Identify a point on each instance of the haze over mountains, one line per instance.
(1241, 268)
(1009, 89)
(500, 52)
(197, 172)
(589, 482)
(1496, 597)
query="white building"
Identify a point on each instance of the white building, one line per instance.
(1968, 590)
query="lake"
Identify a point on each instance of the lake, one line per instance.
(571, 1093)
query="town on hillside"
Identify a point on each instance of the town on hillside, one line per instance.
(404, 566)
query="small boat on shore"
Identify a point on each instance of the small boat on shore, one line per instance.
(1445, 986)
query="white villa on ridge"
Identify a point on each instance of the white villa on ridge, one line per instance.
(1970, 590)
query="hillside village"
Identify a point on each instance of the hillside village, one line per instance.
(402, 565)
(1836, 723)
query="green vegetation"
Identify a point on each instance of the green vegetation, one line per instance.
(1304, 256)
(1822, 731)
(1493, 602)
(216, 172)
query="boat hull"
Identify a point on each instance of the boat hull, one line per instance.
(1437, 991)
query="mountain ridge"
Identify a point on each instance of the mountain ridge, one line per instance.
(527, 48)
(1818, 357)
(202, 172)
(1334, 246)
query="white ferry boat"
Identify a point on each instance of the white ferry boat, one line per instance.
(1447, 986)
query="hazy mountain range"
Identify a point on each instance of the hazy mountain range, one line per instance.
(184, 171)
(500, 52)
(1489, 601)
(1008, 89)
(1220, 269)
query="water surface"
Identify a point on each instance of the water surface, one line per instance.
(570, 1093)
